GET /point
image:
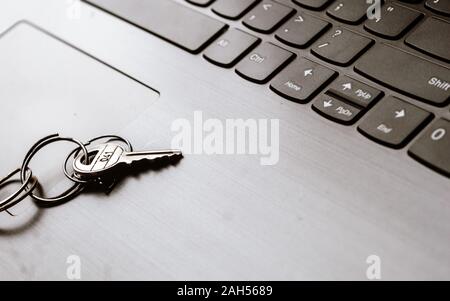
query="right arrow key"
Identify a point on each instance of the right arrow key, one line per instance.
(394, 122)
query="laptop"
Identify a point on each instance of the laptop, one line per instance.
(315, 136)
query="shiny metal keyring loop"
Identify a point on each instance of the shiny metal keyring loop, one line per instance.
(75, 153)
(69, 193)
(11, 200)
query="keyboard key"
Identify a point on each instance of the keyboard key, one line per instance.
(433, 38)
(263, 62)
(393, 122)
(406, 73)
(302, 80)
(301, 30)
(200, 2)
(232, 9)
(433, 147)
(394, 22)
(312, 4)
(230, 47)
(336, 110)
(349, 11)
(439, 6)
(355, 91)
(267, 16)
(341, 46)
(197, 30)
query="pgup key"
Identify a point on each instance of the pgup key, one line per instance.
(109, 157)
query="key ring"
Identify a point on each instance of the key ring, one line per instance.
(11, 200)
(69, 193)
(75, 153)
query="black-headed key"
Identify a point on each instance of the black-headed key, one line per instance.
(433, 147)
(230, 47)
(439, 6)
(407, 73)
(302, 80)
(232, 9)
(349, 11)
(393, 122)
(301, 30)
(267, 16)
(200, 2)
(340, 46)
(355, 91)
(336, 110)
(395, 20)
(179, 24)
(262, 63)
(312, 4)
(432, 37)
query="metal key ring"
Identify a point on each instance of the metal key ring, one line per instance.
(75, 153)
(11, 200)
(69, 193)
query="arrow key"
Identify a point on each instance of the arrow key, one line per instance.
(355, 91)
(394, 122)
(336, 110)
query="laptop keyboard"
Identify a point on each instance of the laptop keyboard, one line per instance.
(310, 51)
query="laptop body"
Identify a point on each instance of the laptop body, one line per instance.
(334, 205)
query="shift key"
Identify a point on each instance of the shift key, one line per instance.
(406, 73)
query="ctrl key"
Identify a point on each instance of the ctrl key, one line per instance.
(433, 147)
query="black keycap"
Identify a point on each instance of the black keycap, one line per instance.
(232, 9)
(312, 4)
(439, 6)
(393, 122)
(263, 62)
(394, 22)
(200, 2)
(301, 30)
(230, 47)
(267, 16)
(336, 110)
(432, 37)
(433, 147)
(185, 27)
(340, 46)
(302, 80)
(355, 91)
(349, 11)
(406, 73)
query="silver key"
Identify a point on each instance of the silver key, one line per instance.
(109, 156)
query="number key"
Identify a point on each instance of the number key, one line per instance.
(433, 147)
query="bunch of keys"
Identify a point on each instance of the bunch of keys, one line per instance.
(111, 158)
(99, 164)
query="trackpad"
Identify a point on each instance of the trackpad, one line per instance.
(50, 87)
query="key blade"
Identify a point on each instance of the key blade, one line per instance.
(132, 157)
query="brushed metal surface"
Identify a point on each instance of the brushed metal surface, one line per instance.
(333, 199)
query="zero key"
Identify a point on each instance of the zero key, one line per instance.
(433, 147)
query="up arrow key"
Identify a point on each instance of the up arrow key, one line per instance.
(400, 114)
(347, 86)
(267, 6)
